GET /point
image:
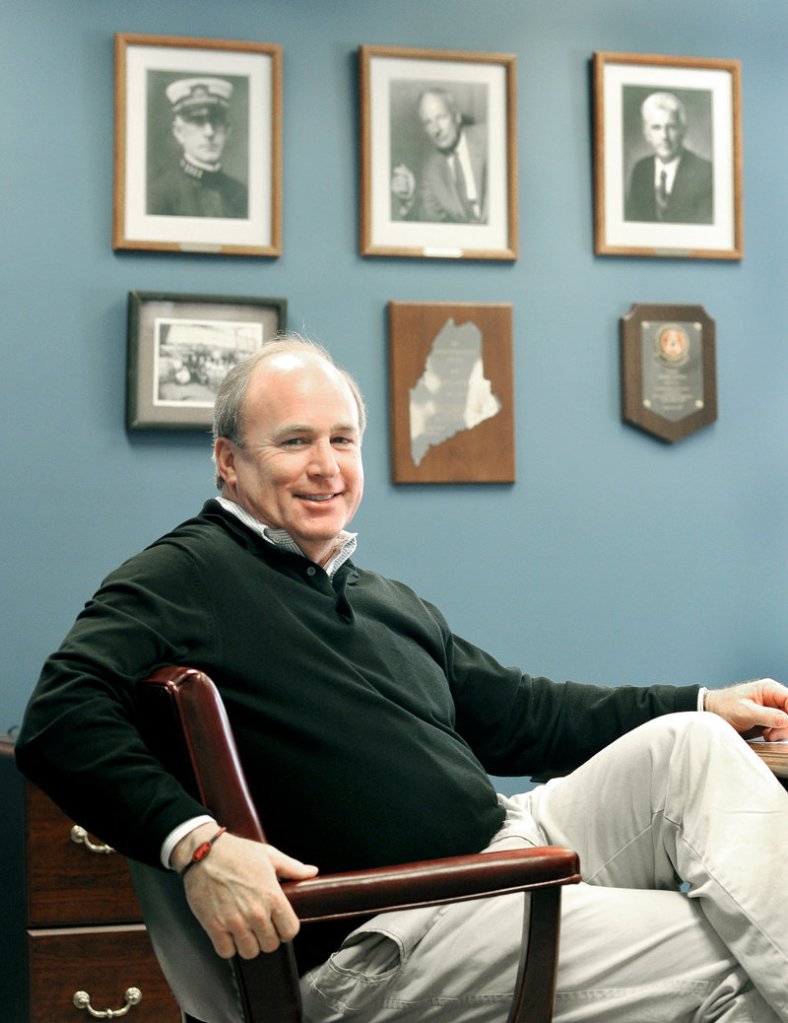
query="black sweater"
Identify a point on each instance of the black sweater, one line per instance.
(366, 728)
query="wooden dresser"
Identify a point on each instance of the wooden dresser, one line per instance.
(72, 934)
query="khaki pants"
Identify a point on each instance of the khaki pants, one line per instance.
(679, 801)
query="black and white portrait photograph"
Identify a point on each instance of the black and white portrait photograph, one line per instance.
(198, 145)
(438, 154)
(667, 156)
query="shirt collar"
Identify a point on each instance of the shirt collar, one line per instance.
(345, 545)
(669, 169)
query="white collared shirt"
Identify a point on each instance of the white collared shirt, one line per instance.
(345, 546)
(669, 169)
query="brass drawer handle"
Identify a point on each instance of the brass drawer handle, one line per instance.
(133, 996)
(80, 836)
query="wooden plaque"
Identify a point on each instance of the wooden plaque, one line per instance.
(668, 369)
(452, 405)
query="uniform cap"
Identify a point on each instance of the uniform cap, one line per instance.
(195, 97)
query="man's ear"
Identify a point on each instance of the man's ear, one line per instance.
(224, 454)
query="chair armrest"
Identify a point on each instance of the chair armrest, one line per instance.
(773, 754)
(431, 882)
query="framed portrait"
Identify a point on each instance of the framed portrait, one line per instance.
(181, 347)
(452, 406)
(668, 369)
(438, 154)
(667, 156)
(198, 153)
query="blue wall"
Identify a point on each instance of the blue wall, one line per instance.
(616, 557)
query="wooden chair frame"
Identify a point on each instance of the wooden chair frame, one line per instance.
(186, 725)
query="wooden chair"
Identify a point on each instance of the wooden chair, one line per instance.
(186, 725)
(775, 756)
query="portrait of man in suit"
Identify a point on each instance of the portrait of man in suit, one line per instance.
(449, 183)
(673, 184)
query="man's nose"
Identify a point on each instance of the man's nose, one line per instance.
(324, 462)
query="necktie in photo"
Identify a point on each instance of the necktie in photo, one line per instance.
(462, 188)
(662, 195)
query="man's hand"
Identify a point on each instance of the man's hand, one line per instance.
(403, 187)
(235, 892)
(403, 183)
(757, 708)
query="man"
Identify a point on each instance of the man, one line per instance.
(453, 182)
(198, 187)
(674, 185)
(367, 729)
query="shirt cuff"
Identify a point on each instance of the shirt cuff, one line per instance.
(702, 697)
(178, 833)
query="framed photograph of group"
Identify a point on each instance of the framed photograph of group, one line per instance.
(181, 347)
(198, 154)
(452, 404)
(438, 154)
(667, 156)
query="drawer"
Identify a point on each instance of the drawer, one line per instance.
(104, 963)
(67, 882)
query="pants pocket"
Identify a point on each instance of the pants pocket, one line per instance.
(363, 969)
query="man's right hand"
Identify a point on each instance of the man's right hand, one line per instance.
(403, 187)
(403, 183)
(235, 893)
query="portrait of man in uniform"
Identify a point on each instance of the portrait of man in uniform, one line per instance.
(188, 153)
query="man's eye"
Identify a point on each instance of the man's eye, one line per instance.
(294, 442)
(341, 440)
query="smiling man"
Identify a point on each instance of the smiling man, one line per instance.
(367, 730)
(293, 462)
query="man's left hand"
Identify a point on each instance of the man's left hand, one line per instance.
(755, 709)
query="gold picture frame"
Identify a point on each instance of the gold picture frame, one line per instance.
(175, 190)
(438, 153)
(668, 166)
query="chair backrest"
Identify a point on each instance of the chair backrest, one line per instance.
(185, 724)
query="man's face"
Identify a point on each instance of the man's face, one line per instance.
(203, 137)
(300, 468)
(441, 124)
(664, 133)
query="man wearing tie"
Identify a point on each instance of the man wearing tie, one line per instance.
(674, 185)
(453, 184)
